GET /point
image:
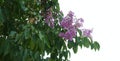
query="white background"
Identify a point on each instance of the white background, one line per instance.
(104, 17)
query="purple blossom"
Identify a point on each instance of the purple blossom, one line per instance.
(68, 35)
(71, 14)
(66, 22)
(71, 24)
(79, 23)
(87, 32)
(61, 34)
(81, 19)
(49, 19)
(71, 32)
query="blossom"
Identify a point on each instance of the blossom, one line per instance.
(67, 24)
(68, 35)
(87, 32)
(71, 24)
(61, 34)
(71, 14)
(67, 20)
(79, 23)
(49, 19)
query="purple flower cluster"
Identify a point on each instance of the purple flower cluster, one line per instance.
(68, 20)
(70, 25)
(87, 32)
(49, 19)
(69, 34)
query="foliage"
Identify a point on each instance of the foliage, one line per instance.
(30, 31)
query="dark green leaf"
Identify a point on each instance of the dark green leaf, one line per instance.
(1, 16)
(12, 33)
(79, 31)
(96, 45)
(75, 48)
(86, 42)
(32, 44)
(78, 41)
(70, 44)
(27, 33)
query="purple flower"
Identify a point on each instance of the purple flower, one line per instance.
(71, 24)
(68, 35)
(81, 20)
(71, 14)
(71, 32)
(87, 32)
(67, 24)
(61, 34)
(49, 19)
(79, 23)
(67, 20)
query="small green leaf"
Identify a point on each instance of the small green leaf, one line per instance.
(26, 33)
(79, 31)
(41, 35)
(96, 46)
(7, 48)
(75, 48)
(70, 44)
(69, 54)
(66, 55)
(78, 41)
(32, 44)
(80, 44)
(22, 4)
(12, 33)
(1, 16)
(86, 42)
(36, 56)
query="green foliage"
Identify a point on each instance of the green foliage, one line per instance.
(24, 35)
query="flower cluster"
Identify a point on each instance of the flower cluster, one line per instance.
(49, 18)
(87, 32)
(70, 24)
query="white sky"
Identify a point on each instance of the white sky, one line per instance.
(104, 17)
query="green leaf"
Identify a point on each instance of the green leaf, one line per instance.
(22, 4)
(1, 16)
(12, 33)
(25, 55)
(32, 44)
(36, 55)
(1, 2)
(57, 7)
(70, 44)
(96, 46)
(7, 48)
(27, 33)
(80, 44)
(78, 41)
(41, 35)
(79, 31)
(86, 42)
(75, 48)
(66, 54)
